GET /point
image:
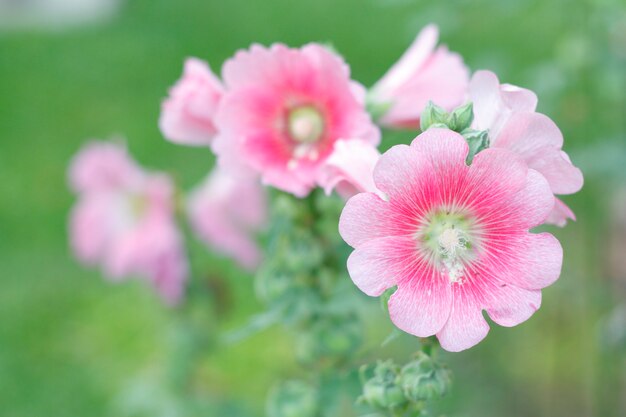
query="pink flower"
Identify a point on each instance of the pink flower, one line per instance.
(349, 169)
(124, 219)
(226, 211)
(187, 116)
(508, 113)
(453, 238)
(283, 111)
(424, 73)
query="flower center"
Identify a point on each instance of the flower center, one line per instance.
(305, 124)
(449, 241)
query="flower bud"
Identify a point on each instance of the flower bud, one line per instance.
(433, 115)
(424, 379)
(461, 118)
(293, 399)
(382, 390)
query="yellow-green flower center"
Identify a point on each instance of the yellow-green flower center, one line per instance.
(305, 124)
(449, 240)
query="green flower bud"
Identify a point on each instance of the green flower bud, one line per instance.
(461, 118)
(433, 116)
(424, 379)
(293, 399)
(382, 390)
(478, 140)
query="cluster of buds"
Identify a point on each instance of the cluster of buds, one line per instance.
(294, 276)
(405, 390)
(459, 120)
(298, 280)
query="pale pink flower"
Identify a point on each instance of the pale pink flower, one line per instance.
(124, 219)
(508, 113)
(453, 238)
(349, 169)
(283, 111)
(187, 115)
(424, 73)
(226, 211)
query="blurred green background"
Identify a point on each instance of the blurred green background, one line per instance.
(72, 344)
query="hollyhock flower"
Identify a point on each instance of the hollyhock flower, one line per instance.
(508, 113)
(283, 111)
(453, 238)
(124, 221)
(424, 73)
(225, 211)
(187, 115)
(349, 169)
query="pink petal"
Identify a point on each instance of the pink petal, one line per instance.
(409, 63)
(380, 263)
(187, 115)
(484, 91)
(421, 75)
(421, 304)
(349, 169)
(531, 261)
(466, 325)
(518, 99)
(530, 206)
(560, 214)
(494, 103)
(509, 305)
(495, 177)
(443, 80)
(102, 166)
(365, 217)
(403, 167)
(226, 211)
(538, 140)
(90, 228)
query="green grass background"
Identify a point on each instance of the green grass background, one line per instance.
(72, 344)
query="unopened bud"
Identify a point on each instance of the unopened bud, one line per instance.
(433, 116)
(461, 118)
(424, 379)
(382, 390)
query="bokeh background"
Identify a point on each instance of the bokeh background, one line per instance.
(72, 344)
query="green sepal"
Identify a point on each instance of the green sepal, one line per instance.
(478, 140)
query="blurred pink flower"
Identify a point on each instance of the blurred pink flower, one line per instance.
(102, 166)
(424, 73)
(187, 114)
(453, 238)
(226, 211)
(508, 113)
(349, 169)
(283, 111)
(124, 219)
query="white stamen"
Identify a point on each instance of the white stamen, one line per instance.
(452, 244)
